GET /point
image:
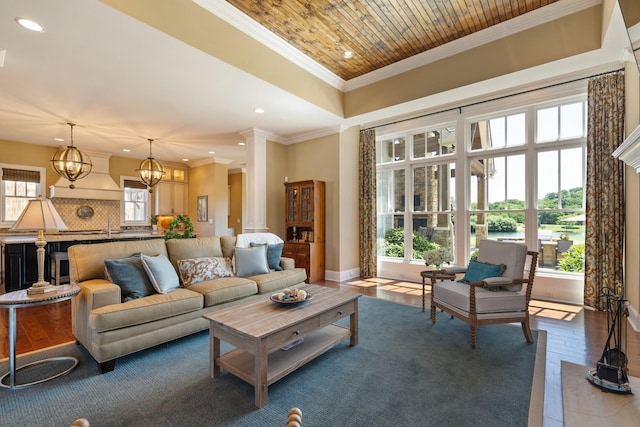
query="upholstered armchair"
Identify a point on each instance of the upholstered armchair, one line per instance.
(493, 290)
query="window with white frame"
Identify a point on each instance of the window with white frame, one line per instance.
(19, 185)
(135, 204)
(424, 219)
(522, 174)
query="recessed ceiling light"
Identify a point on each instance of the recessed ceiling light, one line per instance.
(258, 110)
(241, 143)
(185, 160)
(126, 150)
(29, 24)
(347, 54)
(212, 152)
(59, 139)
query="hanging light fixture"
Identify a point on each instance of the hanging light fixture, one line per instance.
(71, 163)
(150, 171)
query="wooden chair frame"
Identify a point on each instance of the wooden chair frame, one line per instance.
(472, 317)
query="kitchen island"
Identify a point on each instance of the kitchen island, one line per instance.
(18, 263)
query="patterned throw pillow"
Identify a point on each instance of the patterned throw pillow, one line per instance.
(196, 270)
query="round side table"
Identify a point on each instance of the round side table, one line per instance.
(427, 275)
(20, 299)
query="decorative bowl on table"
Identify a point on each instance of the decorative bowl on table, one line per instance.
(291, 297)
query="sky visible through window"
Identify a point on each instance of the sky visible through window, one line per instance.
(557, 170)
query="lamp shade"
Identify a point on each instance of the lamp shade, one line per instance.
(39, 215)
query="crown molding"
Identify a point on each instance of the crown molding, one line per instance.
(208, 161)
(512, 26)
(253, 29)
(244, 23)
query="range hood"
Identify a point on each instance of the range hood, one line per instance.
(98, 185)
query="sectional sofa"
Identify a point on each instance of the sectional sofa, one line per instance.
(188, 277)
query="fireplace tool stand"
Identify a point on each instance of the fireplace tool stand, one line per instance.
(611, 370)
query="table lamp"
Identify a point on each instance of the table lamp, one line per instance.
(40, 216)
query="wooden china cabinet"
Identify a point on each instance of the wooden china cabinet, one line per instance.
(304, 223)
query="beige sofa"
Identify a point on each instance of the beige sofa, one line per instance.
(109, 328)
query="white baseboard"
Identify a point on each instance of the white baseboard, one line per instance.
(634, 318)
(341, 276)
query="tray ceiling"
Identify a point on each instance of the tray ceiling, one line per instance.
(377, 32)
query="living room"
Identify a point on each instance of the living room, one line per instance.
(333, 157)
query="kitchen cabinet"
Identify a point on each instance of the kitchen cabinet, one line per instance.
(171, 198)
(19, 263)
(305, 227)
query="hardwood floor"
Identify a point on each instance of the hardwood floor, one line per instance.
(574, 334)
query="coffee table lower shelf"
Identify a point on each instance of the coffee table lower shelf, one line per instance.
(282, 362)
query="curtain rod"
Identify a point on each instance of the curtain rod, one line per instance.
(494, 99)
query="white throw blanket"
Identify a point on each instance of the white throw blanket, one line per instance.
(244, 240)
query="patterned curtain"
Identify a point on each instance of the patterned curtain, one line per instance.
(604, 234)
(368, 249)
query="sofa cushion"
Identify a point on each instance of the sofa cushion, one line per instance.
(195, 270)
(250, 261)
(219, 291)
(161, 273)
(147, 309)
(274, 253)
(86, 261)
(456, 294)
(129, 274)
(193, 248)
(276, 280)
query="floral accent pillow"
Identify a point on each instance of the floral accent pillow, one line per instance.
(196, 270)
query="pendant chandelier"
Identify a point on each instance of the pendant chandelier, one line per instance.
(71, 163)
(150, 171)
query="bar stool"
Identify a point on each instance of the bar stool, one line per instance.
(56, 259)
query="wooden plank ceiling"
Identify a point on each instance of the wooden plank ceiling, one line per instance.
(378, 32)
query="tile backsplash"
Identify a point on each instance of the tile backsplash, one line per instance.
(104, 211)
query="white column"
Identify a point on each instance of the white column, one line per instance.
(255, 214)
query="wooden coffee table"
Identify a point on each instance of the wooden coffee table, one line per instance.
(261, 328)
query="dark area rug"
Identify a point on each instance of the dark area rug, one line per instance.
(404, 372)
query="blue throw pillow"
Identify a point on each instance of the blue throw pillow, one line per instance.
(274, 253)
(129, 274)
(161, 273)
(250, 261)
(477, 271)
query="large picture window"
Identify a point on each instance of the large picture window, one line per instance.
(522, 176)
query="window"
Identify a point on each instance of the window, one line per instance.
(415, 197)
(19, 185)
(521, 178)
(136, 202)
(498, 198)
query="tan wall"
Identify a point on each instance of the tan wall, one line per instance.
(276, 171)
(632, 192)
(319, 159)
(209, 180)
(567, 36)
(236, 182)
(349, 196)
(14, 153)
